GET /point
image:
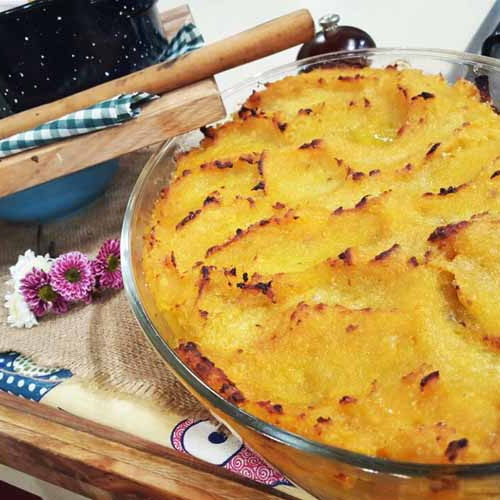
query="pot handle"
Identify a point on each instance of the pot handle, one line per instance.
(491, 46)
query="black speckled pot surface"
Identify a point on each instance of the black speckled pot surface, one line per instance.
(50, 49)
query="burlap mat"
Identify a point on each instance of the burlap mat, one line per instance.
(101, 342)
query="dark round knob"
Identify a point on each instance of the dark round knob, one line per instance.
(335, 38)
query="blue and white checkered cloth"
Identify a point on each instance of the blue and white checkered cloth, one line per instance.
(188, 38)
(105, 114)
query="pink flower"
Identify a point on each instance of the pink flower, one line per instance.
(106, 266)
(71, 276)
(40, 295)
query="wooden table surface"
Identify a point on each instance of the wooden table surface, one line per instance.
(103, 463)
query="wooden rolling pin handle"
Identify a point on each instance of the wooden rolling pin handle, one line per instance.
(255, 43)
(263, 40)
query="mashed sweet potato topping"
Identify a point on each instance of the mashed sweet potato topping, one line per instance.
(329, 260)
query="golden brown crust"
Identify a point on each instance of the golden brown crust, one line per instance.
(334, 250)
(209, 373)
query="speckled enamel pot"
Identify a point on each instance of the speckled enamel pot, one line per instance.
(53, 48)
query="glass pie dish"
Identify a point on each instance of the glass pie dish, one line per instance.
(325, 471)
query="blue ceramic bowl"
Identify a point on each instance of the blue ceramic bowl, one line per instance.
(60, 197)
(53, 48)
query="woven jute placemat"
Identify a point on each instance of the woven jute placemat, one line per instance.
(101, 342)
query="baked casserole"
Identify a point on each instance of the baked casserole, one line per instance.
(329, 261)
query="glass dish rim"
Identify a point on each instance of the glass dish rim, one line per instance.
(366, 462)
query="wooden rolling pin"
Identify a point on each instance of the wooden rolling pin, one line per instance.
(260, 41)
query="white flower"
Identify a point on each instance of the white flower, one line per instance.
(25, 264)
(20, 315)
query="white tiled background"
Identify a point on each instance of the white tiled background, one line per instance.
(448, 24)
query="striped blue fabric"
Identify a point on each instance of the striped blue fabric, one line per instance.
(109, 113)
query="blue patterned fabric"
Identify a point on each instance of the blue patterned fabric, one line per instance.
(109, 113)
(20, 376)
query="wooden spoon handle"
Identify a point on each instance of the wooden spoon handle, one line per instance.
(276, 35)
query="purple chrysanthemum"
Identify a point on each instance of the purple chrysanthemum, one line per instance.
(106, 266)
(71, 276)
(40, 295)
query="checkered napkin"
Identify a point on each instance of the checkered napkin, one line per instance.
(108, 113)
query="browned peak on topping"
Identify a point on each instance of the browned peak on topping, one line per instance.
(454, 447)
(386, 253)
(250, 158)
(366, 102)
(305, 111)
(208, 132)
(210, 199)
(209, 373)
(346, 256)
(230, 272)
(323, 420)
(443, 232)
(246, 112)
(264, 288)
(189, 217)
(351, 328)
(449, 190)
(413, 261)
(492, 341)
(259, 186)
(204, 278)
(373, 172)
(345, 400)
(315, 143)
(402, 129)
(354, 78)
(424, 95)
(361, 203)
(271, 408)
(260, 163)
(432, 149)
(356, 176)
(495, 174)
(430, 377)
(221, 164)
(240, 233)
(281, 125)
(403, 91)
